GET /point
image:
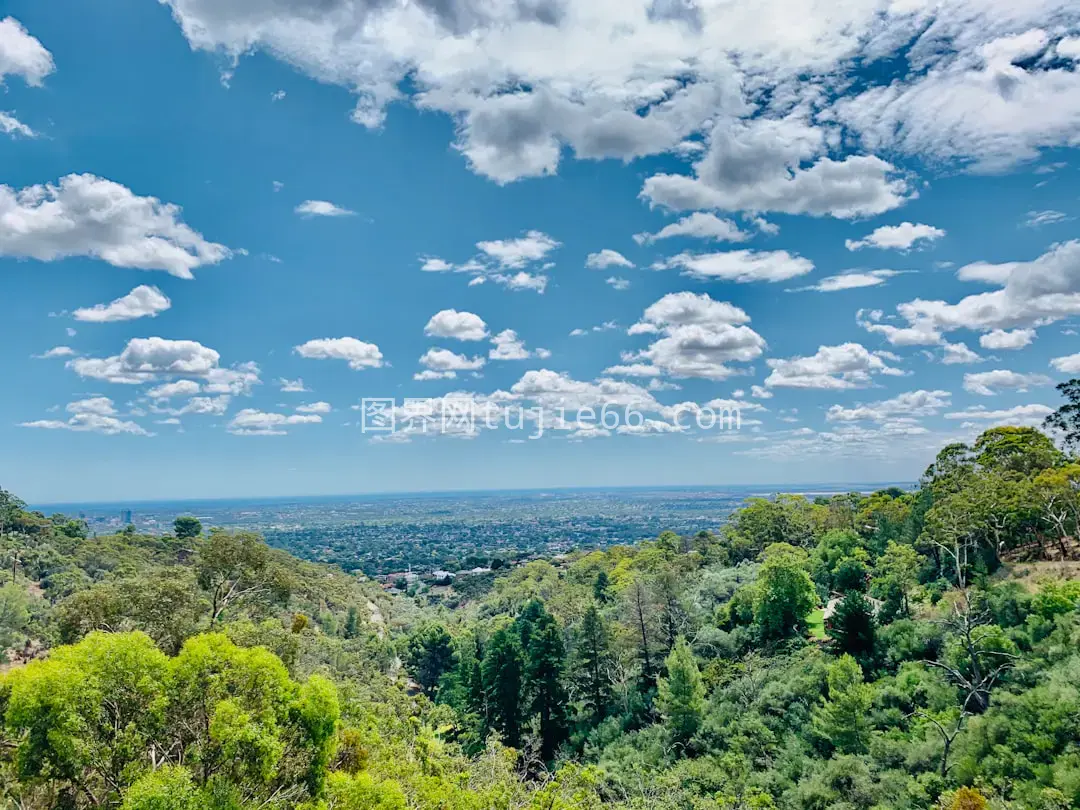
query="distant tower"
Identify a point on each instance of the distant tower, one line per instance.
(125, 516)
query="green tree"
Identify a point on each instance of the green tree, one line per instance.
(186, 527)
(167, 788)
(1021, 450)
(235, 567)
(681, 695)
(843, 718)
(601, 588)
(592, 662)
(14, 614)
(785, 594)
(1066, 419)
(897, 572)
(430, 655)
(501, 673)
(852, 627)
(544, 673)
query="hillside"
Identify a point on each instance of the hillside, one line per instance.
(897, 650)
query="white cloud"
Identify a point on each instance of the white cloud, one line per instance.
(686, 309)
(141, 302)
(698, 225)
(179, 388)
(147, 359)
(617, 284)
(742, 266)
(514, 254)
(1031, 294)
(57, 351)
(449, 323)
(93, 415)
(10, 125)
(988, 383)
(508, 346)
(1070, 364)
(277, 95)
(444, 364)
(22, 54)
(321, 208)
(852, 280)
(1000, 339)
(236, 380)
(910, 405)
(292, 386)
(958, 353)
(206, 406)
(759, 392)
(780, 165)
(251, 422)
(522, 281)
(314, 407)
(357, 353)
(607, 258)
(1020, 415)
(527, 81)
(89, 216)
(1036, 219)
(897, 237)
(849, 365)
(985, 98)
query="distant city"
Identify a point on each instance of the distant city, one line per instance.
(446, 533)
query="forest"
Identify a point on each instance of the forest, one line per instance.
(899, 649)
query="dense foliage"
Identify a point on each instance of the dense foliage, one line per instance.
(902, 649)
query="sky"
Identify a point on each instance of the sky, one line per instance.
(588, 225)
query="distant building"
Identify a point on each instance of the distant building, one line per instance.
(443, 574)
(125, 516)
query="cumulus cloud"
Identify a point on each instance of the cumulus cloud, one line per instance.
(526, 82)
(607, 258)
(314, 407)
(1032, 415)
(618, 284)
(252, 422)
(147, 359)
(1033, 293)
(85, 215)
(1000, 339)
(513, 254)
(988, 383)
(292, 386)
(742, 266)
(912, 404)
(449, 323)
(508, 346)
(93, 415)
(780, 165)
(321, 208)
(698, 225)
(179, 388)
(358, 354)
(849, 365)
(498, 259)
(22, 55)
(897, 237)
(445, 364)
(699, 337)
(1070, 364)
(141, 302)
(958, 353)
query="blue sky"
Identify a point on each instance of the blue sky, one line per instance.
(870, 209)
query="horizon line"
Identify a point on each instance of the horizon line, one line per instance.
(773, 488)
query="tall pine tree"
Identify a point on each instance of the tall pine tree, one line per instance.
(592, 659)
(681, 695)
(501, 674)
(544, 674)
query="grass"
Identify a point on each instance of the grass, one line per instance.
(816, 621)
